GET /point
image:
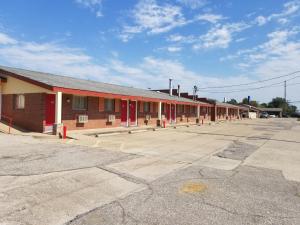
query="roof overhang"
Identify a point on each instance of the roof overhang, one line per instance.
(94, 93)
(125, 97)
(25, 79)
(3, 79)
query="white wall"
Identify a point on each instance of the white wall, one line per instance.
(252, 115)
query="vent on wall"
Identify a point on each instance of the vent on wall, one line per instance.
(111, 118)
(83, 118)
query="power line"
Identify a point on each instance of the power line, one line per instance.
(293, 84)
(249, 89)
(255, 82)
(278, 84)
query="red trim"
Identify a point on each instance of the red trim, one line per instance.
(127, 97)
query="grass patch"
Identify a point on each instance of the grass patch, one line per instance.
(298, 119)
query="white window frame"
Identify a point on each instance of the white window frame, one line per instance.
(83, 101)
(20, 101)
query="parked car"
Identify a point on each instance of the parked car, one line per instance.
(272, 116)
(264, 115)
(296, 115)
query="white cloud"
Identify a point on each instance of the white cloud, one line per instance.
(153, 18)
(283, 21)
(50, 57)
(181, 39)
(261, 20)
(279, 55)
(174, 49)
(278, 45)
(94, 5)
(289, 9)
(212, 18)
(59, 59)
(149, 72)
(220, 36)
(193, 4)
(5, 39)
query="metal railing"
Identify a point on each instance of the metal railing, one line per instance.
(9, 120)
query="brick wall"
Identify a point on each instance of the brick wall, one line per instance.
(31, 117)
(142, 115)
(97, 118)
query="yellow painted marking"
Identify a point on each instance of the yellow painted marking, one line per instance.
(193, 188)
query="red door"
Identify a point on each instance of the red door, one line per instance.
(173, 112)
(168, 112)
(50, 110)
(132, 112)
(124, 111)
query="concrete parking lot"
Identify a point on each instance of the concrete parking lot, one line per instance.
(243, 172)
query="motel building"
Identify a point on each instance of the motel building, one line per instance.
(43, 102)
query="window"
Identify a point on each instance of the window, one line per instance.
(20, 102)
(187, 109)
(79, 102)
(180, 108)
(109, 105)
(146, 106)
(194, 109)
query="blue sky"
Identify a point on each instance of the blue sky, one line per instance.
(142, 43)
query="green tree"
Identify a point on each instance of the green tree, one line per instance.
(253, 103)
(264, 105)
(232, 101)
(279, 102)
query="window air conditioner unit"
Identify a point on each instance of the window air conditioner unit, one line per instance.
(111, 118)
(148, 117)
(83, 118)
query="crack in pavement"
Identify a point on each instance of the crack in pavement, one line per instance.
(130, 178)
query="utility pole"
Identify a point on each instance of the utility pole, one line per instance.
(285, 90)
(285, 103)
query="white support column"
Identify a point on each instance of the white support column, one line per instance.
(0, 99)
(198, 112)
(128, 124)
(58, 108)
(175, 112)
(227, 116)
(159, 111)
(136, 113)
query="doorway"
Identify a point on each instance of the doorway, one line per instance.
(132, 113)
(124, 110)
(50, 109)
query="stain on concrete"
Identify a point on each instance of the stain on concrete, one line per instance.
(192, 187)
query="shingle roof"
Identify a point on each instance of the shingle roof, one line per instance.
(271, 109)
(226, 104)
(87, 85)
